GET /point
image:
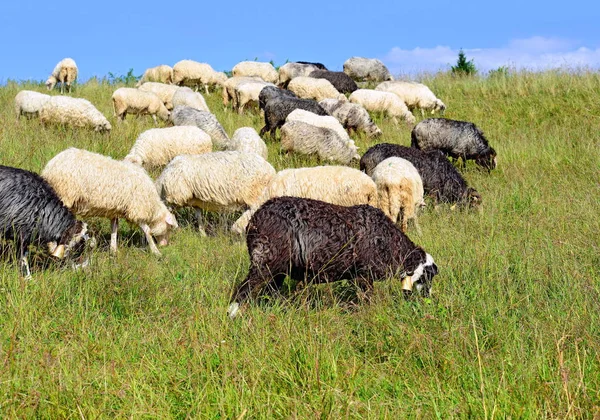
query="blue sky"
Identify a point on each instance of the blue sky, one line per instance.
(111, 36)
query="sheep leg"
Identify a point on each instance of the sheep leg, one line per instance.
(417, 226)
(199, 220)
(155, 120)
(365, 287)
(206, 88)
(150, 239)
(253, 281)
(114, 223)
(24, 263)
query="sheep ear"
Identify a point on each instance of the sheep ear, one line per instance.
(171, 220)
(52, 246)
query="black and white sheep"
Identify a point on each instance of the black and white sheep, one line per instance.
(457, 139)
(277, 109)
(318, 242)
(440, 178)
(340, 80)
(269, 92)
(320, 66)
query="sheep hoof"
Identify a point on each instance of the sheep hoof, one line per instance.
(233, 310)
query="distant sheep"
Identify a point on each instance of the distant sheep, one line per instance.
(246, 139)
(229, 88)
(325, 121)
(291, 70)
(65, 73)
(138, 102)
(377, 101)
(76, 112)
(265, 71)
(414, 95)
(95, 185)
(161, 74)
(187, 97)
(340, 80)
(158, 146)
(367, 69)
(270, 92)
(184, 115)
(311, 88)
(165, 92)
(277, 110)
(29, 103)
(354, 117)
(316, 242)
(320, 66)
(248, 93)
(194, 74)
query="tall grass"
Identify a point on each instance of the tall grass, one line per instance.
(513, 329)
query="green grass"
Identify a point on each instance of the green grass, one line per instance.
(512, 330)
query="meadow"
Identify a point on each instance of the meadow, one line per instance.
(512, 329)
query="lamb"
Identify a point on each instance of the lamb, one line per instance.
(135, 101)
(311, 88)
(158, 146)
(414, 95)
(440, 178)
(161, 74)
(64, 72)
(400, 190)
(352, 116)
(187, 97)
(76, 112)
(32, 213)
(248, 93)
(246, 139)
(291, 70)
(277, 110)
(184, 115)
(230, 85)
(325, 121)
(377, 101)
(194, 74)
(269, 92)
(265, 71)
(95, 185)
(456, 139)
(340, 80)
(163, 91)
(317, 242)
(29, 103)
(219, 181)
(366, 69)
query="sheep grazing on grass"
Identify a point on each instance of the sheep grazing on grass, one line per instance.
(440, 178)
(366, 69)
(317, 242)
(377, 101)
(311, 88)
(161, 74)
(76, 112)
(400, 190)
(187, 97)
(158, 146)
(248, 93)
(354, 117)
(95, 185)
(32, 213)
(269, 92)
(246, 139)
(457, 139)
(340, 80)
(194, 74)
(163, 91)
(291, 70)
(138, 102)
(184, 115)
(219, 181)
(325, 121)
(414, 95)
(265, 71)
(29, 103)
(229, 88)
(277, 109)
(65, 73)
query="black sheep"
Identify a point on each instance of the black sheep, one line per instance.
(320, 242)
(277, 110)
(340, 80)
(32, 213)
(269, 92)
(456, 139)
(317, 65)
(440, 178)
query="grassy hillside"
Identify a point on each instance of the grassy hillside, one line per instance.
(513, 329)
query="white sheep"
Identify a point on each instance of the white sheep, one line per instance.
(265, 71)
(339, 185)
(219, 181)
(194, 74)
(230, 85)
(400, 190)
(325, 121)
(91, 184)
(64, 72)
(248, 93)
(291, 70)
(354, 117)
(377, 101)
(317, 89)
(161, 74)
(366, 69)
(76, 112)
(158, 146)
(138, 102)
(163, 91)
(29, 103)
(187, 97)
(246, 139)
(414, 95)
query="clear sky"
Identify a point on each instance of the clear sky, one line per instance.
(410, 37)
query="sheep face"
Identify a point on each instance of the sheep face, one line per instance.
(487, 160)
(420, 279)
(163, 228)
(104, 127)
(51, 82)
(473, 198)
(72, 244)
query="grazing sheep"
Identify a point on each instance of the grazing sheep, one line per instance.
(377, 101)
(265, 71)
(184, 115)
(400, 190)
(277, 109)
(440, 178)
(219, 181)
(163, 91)
(414, 95)
(161, 74)
(135, 101)
(366, 69)
(230, 85)
(291, 70)
(269, 92)
(354, 117)
(317, 242)
(29, 103)
(248, 93)
(95, 185)
(325, 121)
(340, 80)
(158, 146)
(311, 88)
(319, 66)
(65, 72)
(32, 213)
(76, 112)
(246, 139)
(187, 97)
(194, 74)
(457, 139)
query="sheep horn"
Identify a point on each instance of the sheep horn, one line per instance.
(59, 251)
(407, 283)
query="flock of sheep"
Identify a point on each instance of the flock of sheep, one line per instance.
(325, 223)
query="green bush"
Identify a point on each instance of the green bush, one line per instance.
(463, 66)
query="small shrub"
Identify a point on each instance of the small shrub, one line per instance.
(463, 66)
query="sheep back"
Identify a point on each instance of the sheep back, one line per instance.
(29, 103)
(366, 69)
(185, 115)
(340, 80)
